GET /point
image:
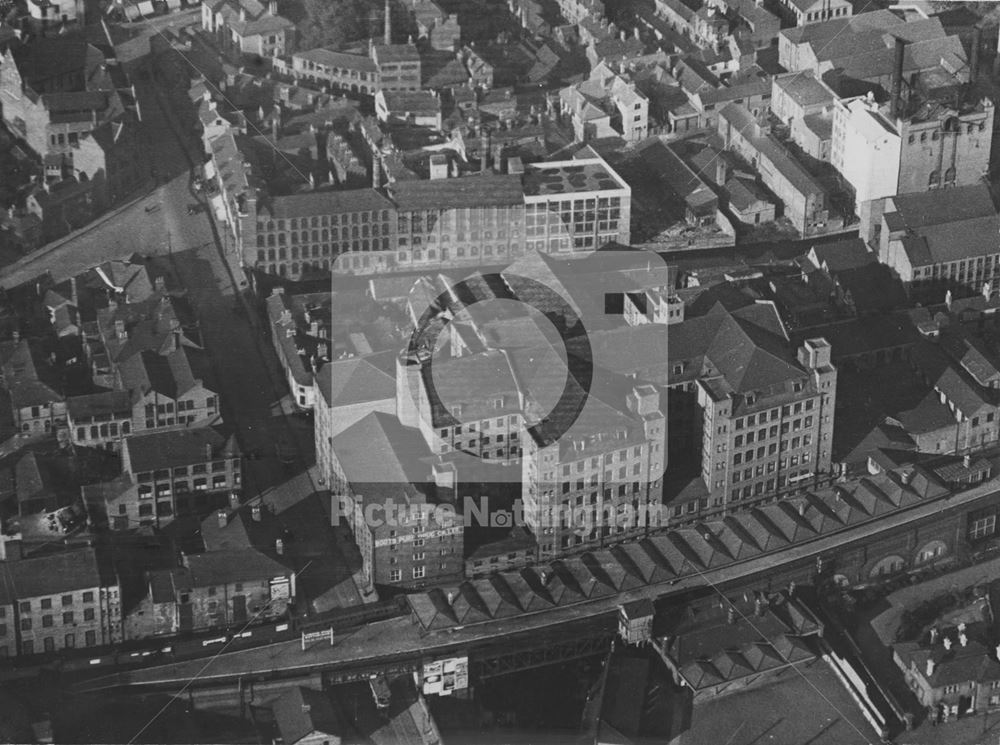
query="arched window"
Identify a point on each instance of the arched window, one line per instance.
(315, 235)
(270, 255)
(923, 137)
(949, 177)
(935, 180)
(295, 268)
(325, 235)
(930, 551)
(888, 565)
(282, 254)
(270, 239)
(281, 239)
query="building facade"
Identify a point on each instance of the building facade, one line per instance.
(64, 600)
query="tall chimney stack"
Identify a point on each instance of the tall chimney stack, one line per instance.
(388, 22)
(484, 150)
(897, 77)
(977, 45)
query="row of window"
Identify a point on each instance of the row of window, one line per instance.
(935, 134)
(749, 473)
(46, 603)
(49, 642)
(788, 410)
(104, 430)
(68, 618)
(167, 473)
(322, 221)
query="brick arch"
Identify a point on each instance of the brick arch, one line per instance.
(890, 564)
(930, 551)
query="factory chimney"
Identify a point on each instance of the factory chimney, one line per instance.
(897, 78)
(388, 22)
(484, 150)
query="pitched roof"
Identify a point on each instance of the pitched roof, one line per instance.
(332, 202)
(380, 457)
(946, 224)
(742, 121)
(177, 447)
(358, 380)
(301, 711)
(487, 190)
(228, 566)
(53, 574)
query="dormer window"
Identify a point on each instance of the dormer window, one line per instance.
(751, 399)
(678, 368)
(797, 386)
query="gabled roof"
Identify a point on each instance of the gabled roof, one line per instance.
(358, 379)
(300, 712)
(177, 447)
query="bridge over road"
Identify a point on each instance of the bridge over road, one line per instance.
(401, 642)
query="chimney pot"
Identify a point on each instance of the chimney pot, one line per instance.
(255, 511)
(279, 547)
(222, 518)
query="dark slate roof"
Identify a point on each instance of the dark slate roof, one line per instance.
(453, 193)
(225, 567)
(44, 483)
(332, 202)
(105, 403)
(47, 57)
(840, 255)
(54, 574)
(301, 711)
(177, 447)
(396, 53)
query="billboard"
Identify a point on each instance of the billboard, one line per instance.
(442, 677)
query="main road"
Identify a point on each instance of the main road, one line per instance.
(401, 639)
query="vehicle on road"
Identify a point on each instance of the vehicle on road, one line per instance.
(195, 208)
(152, 207)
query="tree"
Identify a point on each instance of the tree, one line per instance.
(336, 22)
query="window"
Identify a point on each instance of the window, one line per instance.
(91, 638)
(88, 597)
(67, 600)
(46, 603)
(25, 624)
(47, 621)
(419, 572)
(88, 614)
(68, 617)
(983, 527)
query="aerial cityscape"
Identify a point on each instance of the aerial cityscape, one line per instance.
(432, 372)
